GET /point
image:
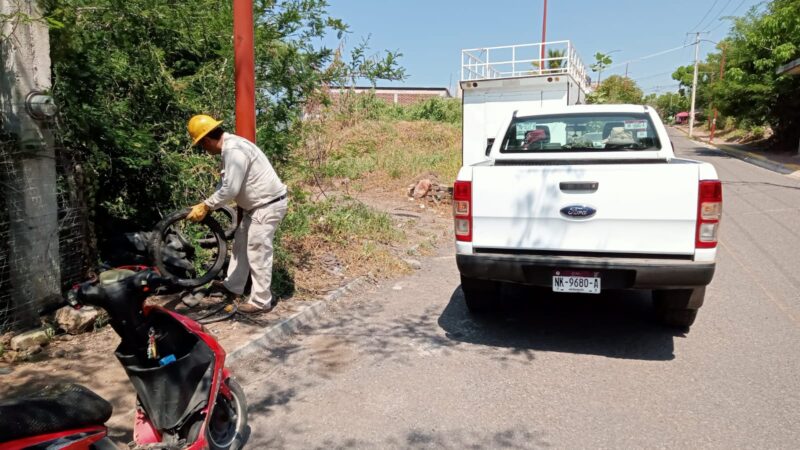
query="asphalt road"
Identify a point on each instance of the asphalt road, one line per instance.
(405, 366)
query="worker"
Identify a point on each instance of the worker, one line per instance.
(249, 179)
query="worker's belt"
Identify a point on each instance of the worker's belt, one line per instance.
(274, 200)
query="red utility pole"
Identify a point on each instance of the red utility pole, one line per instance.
(544, 28)
(721, 75)
(244, 69)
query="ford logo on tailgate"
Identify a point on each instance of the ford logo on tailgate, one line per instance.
(578, 211)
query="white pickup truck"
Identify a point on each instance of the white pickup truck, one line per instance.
(576, 198)
(583, 199)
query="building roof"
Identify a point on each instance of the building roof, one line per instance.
(394, 88)
(792, 68)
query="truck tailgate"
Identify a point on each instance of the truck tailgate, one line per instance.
(639, 208)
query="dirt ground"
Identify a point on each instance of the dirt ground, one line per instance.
(88, 358)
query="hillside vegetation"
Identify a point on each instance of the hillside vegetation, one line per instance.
(373, 150)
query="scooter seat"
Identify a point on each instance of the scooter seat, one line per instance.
(55, 408)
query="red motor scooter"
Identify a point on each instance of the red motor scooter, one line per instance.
(186, 398)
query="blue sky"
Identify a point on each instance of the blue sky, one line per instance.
(431, 33)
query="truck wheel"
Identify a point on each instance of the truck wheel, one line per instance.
(478, 294)
(678, 308)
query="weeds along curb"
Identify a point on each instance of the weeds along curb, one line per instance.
(289, 326)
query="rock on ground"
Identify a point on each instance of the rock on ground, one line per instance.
(76, 321)
(29, 339)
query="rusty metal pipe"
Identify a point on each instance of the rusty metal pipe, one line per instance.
(244, 69)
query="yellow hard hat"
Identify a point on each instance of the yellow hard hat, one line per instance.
(200, 125)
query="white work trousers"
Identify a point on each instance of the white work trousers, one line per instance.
(252, 252)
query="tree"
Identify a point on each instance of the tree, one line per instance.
(616, 89)
(601, 62)
(751, 89)
(668, 104)
(554, 58)
(127, 74)
(707, 73)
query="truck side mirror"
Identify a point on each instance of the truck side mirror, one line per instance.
(489, 143)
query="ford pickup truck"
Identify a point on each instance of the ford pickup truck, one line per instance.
(585, 199)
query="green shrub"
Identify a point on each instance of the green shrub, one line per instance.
(436, 109)
(757, 132)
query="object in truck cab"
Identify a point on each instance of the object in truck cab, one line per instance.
(620, 136)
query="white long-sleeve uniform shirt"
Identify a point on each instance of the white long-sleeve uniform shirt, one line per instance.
(247, 176)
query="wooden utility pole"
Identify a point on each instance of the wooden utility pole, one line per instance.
(721, 76)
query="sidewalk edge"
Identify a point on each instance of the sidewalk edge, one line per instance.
(292, 324)
(750, 157)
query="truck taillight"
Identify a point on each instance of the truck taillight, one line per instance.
(462, 210)
(709, 212)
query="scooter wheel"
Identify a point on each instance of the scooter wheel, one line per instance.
(189, 246)
(228, 422)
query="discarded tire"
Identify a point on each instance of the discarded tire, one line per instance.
(230, 215)
(171, 248)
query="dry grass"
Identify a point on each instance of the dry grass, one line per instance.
(382, 152)
(328, 236)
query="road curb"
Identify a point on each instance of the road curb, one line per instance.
(289, 326)
(749, 157)
(758, 160)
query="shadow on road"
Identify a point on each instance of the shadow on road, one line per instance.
(614, 324)
(511, 438)
(706, 152)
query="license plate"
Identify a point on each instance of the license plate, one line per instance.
(576, 281)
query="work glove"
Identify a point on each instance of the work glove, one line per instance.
(198, 212)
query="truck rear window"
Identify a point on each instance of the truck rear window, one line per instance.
(581, 132)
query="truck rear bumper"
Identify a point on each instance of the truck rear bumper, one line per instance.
(622, 273)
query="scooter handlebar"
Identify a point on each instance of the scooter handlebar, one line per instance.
(96, 293)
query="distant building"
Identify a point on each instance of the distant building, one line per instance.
(396, 95)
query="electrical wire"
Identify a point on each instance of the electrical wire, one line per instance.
(716, 18)
(653, 55)
(697, 27)
(721, 11)
(652, 76)
(722, 22)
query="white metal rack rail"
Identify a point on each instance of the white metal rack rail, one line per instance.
(523, 60)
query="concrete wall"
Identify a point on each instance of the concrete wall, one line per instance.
(29, 166)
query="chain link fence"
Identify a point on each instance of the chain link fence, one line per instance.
(19, 306)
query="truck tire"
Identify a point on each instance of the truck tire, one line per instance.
(678, 308)
(160, 249)
(478, 294)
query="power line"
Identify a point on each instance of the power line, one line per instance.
(697, 27)
(719, 14)
(653, 76)
(661, 87)
(730, 15)
(653, 55)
